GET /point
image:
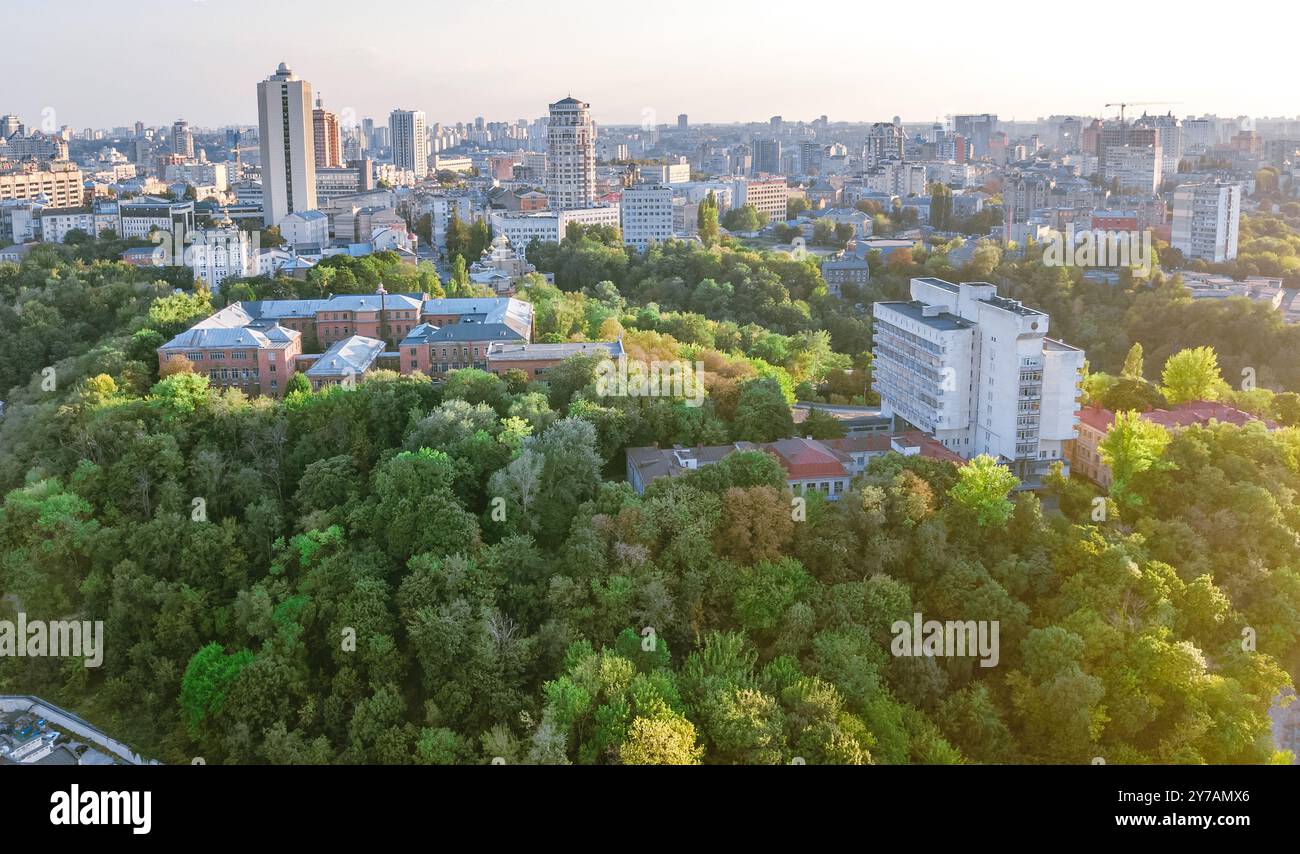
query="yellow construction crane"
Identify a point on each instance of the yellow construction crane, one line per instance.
(1123, 104)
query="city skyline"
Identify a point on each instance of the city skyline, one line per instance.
(714, 78)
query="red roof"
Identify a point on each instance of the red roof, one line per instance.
(804, 458)
(1182, 415)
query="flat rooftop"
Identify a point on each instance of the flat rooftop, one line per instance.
(943, 321)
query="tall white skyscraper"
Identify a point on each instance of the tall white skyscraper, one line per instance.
(571, 164)
(288, 152)
(409, 130)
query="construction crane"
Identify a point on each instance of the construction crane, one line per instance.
(1123, 104)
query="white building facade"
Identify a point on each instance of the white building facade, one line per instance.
(410, 141)
(647, 215)
(979, 372)
(1206, 221)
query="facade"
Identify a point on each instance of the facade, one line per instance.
(358, 224)
(571, 155)
(336, 182)
(288, 149)
(410, 133)
(257, 346)
(884, 142)
(535, 359)
(768, 194)
(326, 140)
(235, 348)
(57, 222)
(1206, 220)
(218, 254)
(978, 372)
(141, 216)
(647, 215)
(306, 228)
(671, 173)
(766, 156)
(522, 228)
(845, 270)
(182, 139)
(1135, 167)
(60, 184)
(977, 130)
(458, 333)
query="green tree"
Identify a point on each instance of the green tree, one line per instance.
(1192, 374)
(666, 740)
(1133, 362)
(208, 679)
(1131, 446)
(762, 414)
(982, 487)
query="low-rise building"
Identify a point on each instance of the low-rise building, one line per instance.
(535, 359)
(1094, 423)
(344, 363)
(236, 348)
(845, 270)
(811, 465)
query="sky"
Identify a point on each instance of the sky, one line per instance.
(723, 61)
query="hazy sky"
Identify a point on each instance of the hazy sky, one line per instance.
(159, 60)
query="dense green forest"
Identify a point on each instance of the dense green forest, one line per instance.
(416, 573)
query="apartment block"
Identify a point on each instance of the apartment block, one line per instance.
(978, 372)
(571, 155)
(768, 194)
(60, 183)
(1206, 220)
(647, 215)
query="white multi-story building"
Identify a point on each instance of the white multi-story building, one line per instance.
(306, 228)
(57, 222)
(288, 150)
(671, 173)
(979, 372)
(548, 226)
(139, 217)
(571, 155)
(1206, 220)
(1200, 134)
(201, 174)
(647, 215)
(897, 178)
(410, 141)
(1171, 137)
(768, 194)
(218, 254)
(60, 184)
(1134, 167)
